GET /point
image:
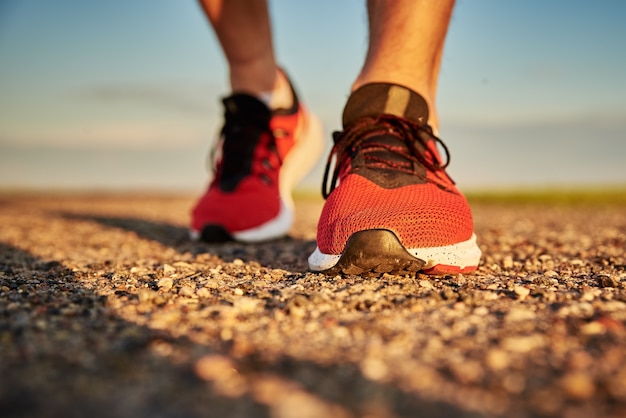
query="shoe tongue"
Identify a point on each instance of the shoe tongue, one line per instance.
(246, 106)
(383, 98)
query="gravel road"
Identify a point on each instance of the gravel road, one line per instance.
(108, 310)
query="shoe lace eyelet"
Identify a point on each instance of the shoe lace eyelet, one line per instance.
(266, 179)
(415, 155)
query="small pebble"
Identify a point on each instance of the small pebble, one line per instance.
(145, 295)
(551, 274)
(521, 291)
(203, 292)
(578, 386)
(426, 284)
(168, 270)
(497, 359)
(481, 311)
(507, 263)
(606, 280)
(374, 368)
(165, 283)
(520, 314)
(186, 291)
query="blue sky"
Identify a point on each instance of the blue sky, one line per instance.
(123, 94)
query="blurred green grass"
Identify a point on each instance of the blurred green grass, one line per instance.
(600, 196)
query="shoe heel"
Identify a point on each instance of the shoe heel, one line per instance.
(303, 156)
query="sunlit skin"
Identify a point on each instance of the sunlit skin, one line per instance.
(406, 39)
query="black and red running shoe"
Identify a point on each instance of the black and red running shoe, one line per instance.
(260, 156)
(391, 207)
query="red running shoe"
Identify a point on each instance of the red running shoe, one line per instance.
(395, 210)
(259, 158)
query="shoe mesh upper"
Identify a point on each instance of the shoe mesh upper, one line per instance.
(245, 190)
(422, 215)
(390, 175)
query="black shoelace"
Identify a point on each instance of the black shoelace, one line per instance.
(237, 147)
(360, 137)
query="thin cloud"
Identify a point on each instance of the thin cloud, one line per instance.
(543, 72)
(113, 135)
(606, 118)
(189, 100)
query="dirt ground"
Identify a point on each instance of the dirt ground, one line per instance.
(108, 310)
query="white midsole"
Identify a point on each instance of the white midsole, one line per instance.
(463, 254)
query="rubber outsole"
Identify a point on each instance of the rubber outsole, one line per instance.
(459, 258)
(374, 252)
(215, 233)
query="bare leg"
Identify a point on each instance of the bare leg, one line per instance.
(243, 29)
(406, 39)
